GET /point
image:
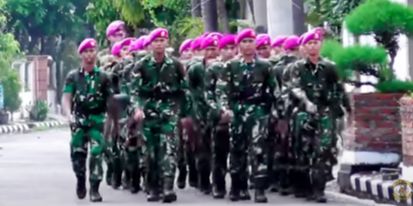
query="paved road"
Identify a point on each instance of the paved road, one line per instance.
(35, 170)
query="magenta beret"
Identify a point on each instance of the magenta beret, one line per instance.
(209, 41)
(196, 43)
(117, 47)
(263, 40)
(291, 43)
(86, 44)
(245, 33)
(137, 45)
(215, 35)
(114, 27)
(311, 36)
(228, 39)
(278, 41)
(185, 46)
(157, 33)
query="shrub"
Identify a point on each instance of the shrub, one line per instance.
(38, 112)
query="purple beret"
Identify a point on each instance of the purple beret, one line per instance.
(196, 43)
(263, 40)
(114, 27)
(319, 30)
(215, 35)
(145, 41)
(137, 45)
(227, 40)
(186, 45)
(292, 42)
(158, 33)
(205, 34)
(86, 44)
(245, 33)
(311, 36)
(117, 47)
(278, 41)
(209, 41)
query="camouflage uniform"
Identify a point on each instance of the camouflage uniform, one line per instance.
(281, 141)
(157, 89)
(314, 134)
(250, 92)
(90, 92)
(202, 83)
(187, 138)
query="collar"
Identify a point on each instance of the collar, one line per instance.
(253, 60)
(317, 66)
(167, 59)
(94, 70)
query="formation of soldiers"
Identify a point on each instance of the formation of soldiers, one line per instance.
(270, 106)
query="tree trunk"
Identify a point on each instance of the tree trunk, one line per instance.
(209, 15)
(223, 16)
(196, 8)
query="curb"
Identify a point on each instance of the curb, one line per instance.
(22, 128)
(378, 189)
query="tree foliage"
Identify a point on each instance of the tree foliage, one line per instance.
(331, 11)
(364, 60)
(9, 48)
(384, 19)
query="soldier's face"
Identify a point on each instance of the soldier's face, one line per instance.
(264, 51)
(277, 50)
(312, 48)
(186, 55)
(247, 46)
(229, 51)
(118, 36)
(124, 52)
(211, 52)
(159, 45)
(89, 56)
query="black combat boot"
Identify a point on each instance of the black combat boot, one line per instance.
(135, 186)
(181, 181)
(218, 193)
(94, 192)
(260, 196)
(234, 192)
(81, 187)
(244, 195)
(168, 190)
(153, 195)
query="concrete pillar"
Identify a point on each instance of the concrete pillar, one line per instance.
(260, 13)
(280, 17)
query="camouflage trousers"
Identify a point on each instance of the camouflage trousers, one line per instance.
(280, 157)
(315, 148)
(249, 135)
(186, 152)
(160, 137)
(84, 131)
(220, 150)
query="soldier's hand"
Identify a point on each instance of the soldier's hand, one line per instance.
(226, 116)
(310, 107)
(139, 115)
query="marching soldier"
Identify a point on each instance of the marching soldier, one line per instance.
(250, 93)
(263, 46)
(115, 32)
(282, 156)
(157, 92)
(228, 48)
(86, 93)
(186, 131)
(201, 80)
(314, 83)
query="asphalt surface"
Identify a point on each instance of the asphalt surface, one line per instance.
(35, 170)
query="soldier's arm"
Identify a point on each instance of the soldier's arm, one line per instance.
(68, 92)
(222, 86)
(294, 83)
(136, 83)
